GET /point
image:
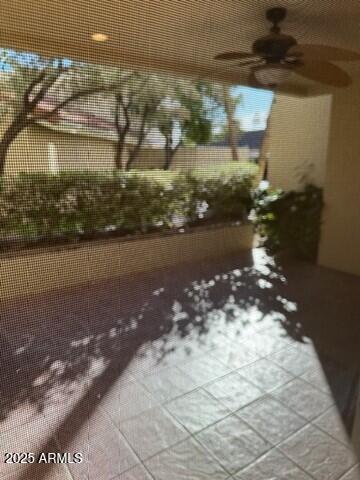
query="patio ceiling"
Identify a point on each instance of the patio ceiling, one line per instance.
(179, 36)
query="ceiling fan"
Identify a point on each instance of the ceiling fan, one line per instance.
(276, 56)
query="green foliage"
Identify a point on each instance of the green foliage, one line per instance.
(30, 78)
(222, 135)
(290, 221)
(219, 198)
(181, 109)
(79, 205)
(229, 169)
(197, 127)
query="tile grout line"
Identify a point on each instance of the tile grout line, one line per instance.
(140, 461)
(275, 448)
(57, 443)
(201, 388)
(190, 434)
(232, 370)
(303, 428)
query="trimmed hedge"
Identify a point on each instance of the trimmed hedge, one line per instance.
(75, 205)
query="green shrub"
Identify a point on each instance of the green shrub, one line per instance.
(228, 170)
(219, 198)
(290, 221)
(42, 206)
(74, 205)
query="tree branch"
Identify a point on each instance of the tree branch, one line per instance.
(31, 86)
(120, 100)
(31, 104)
(141, 136)
(45, 89)
(73, 97)
(117, 117)
(121, 131)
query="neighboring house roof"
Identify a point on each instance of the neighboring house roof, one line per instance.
(252, 139)
(93, 118)
(76, 119)
(89, 126)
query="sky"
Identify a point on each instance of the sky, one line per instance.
(254, 102)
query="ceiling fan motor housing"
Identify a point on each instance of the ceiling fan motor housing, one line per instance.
(273, 46)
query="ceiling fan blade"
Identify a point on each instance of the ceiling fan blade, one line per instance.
(325, 53)
(252, 80)
(250, 62)
(234, 55)
(254, 83)
(324, 72)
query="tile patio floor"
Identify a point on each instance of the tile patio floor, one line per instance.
(230, 369)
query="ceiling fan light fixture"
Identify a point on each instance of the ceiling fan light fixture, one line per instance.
(272, 74)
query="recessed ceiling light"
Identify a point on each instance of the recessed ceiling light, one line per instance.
(99, 37)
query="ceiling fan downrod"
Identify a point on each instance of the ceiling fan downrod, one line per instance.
(276, 15)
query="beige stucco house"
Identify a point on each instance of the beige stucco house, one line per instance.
(71, 140)
(78, 139)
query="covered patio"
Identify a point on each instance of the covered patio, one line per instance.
(243, 366)
(235, 368)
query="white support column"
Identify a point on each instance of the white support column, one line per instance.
(53, 158)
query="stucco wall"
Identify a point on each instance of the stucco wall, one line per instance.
(26, 154)
(297, 140)
(76, 152)
(34, 272)
(323, 131)
(189, 157)
(340, 242)
(30, 152)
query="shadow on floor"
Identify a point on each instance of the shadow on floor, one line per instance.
(77, 343)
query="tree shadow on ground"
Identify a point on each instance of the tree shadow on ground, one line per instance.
(57, 339)
(88, 337)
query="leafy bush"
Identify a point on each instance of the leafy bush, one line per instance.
(290, 220)
(74, 205)
(219, 198)
(228, 170)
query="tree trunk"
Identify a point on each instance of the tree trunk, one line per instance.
(134, 152)
(170, 152)
(130, 161)
(122, 132)
(119, 153)
(168, 158)
(167, 151)
(263, 162)
(229, 109)
(16, 126)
